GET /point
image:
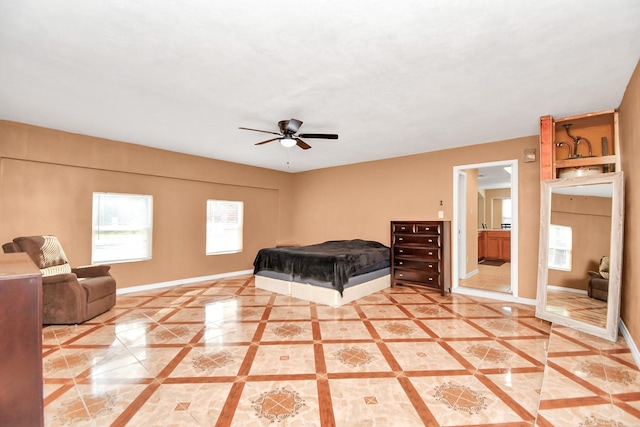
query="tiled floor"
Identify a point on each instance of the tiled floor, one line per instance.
(490, 278)
(577, 306)
(590, 380)
(228, 354)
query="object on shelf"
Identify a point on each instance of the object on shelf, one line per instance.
(580, 171)
(569, 148)
(605, 151)
(576, 142)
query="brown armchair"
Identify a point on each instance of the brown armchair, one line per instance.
(69, 295)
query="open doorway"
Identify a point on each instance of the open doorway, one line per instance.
(485, 228)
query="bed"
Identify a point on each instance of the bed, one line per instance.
(333, 273)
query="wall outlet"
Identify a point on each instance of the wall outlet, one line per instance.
(440, 214)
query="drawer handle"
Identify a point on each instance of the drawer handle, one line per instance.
(430, 253)
(427, 228)
(431, 279)
(402, 228)
(400, 250)
(400, 274)
(430, 265)
(400, 263)
(430, 240)
(400, 239)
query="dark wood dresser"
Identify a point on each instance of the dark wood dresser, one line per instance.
(21, 385)
(420, 254)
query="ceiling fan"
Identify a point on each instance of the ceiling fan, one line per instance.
(288, 137)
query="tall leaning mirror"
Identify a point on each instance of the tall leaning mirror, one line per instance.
(580, 259)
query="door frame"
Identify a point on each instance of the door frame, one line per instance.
(458, 222)
(461, 228)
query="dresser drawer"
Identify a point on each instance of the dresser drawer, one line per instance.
(426, 277)
(417, 239)
(403, 227)
(427, 254)
(431, 266)
(434, 228)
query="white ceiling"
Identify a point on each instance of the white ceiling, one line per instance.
(391, 78)
(494, 177)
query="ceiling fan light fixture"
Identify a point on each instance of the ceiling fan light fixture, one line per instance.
(288, 142)
(288, 135)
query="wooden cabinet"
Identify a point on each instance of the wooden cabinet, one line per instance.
(21, 400)
(420, 254)
(579, 145)
(482, 245)
(497, 245)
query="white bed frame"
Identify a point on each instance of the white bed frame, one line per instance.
(320, 295)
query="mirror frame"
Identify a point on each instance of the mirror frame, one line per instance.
(610, 332)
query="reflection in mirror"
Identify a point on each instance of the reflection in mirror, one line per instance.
(580, 242)
(579, 238)
(484, 258)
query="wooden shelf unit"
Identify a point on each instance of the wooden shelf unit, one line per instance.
(593, 127)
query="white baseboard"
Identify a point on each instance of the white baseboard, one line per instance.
(572, 290)
(500, 296)
(471, 273)
(179, 282)
(630, 343)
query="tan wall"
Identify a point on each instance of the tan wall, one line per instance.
(629, 118)
(59, 171)
(47, 179)
(590, 222)
(360, 200)
(52, 198)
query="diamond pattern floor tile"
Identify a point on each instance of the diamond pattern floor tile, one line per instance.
(224, 353)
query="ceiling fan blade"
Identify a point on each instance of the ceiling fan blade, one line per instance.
(319, 135)
(264, 142)
(294, 125)
(302, 144)
(258, 130)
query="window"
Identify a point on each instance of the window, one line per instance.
(506, 213)
(224, 227)
(560, 245)
(121, 227)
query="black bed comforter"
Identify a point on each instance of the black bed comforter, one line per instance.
(334, 261)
